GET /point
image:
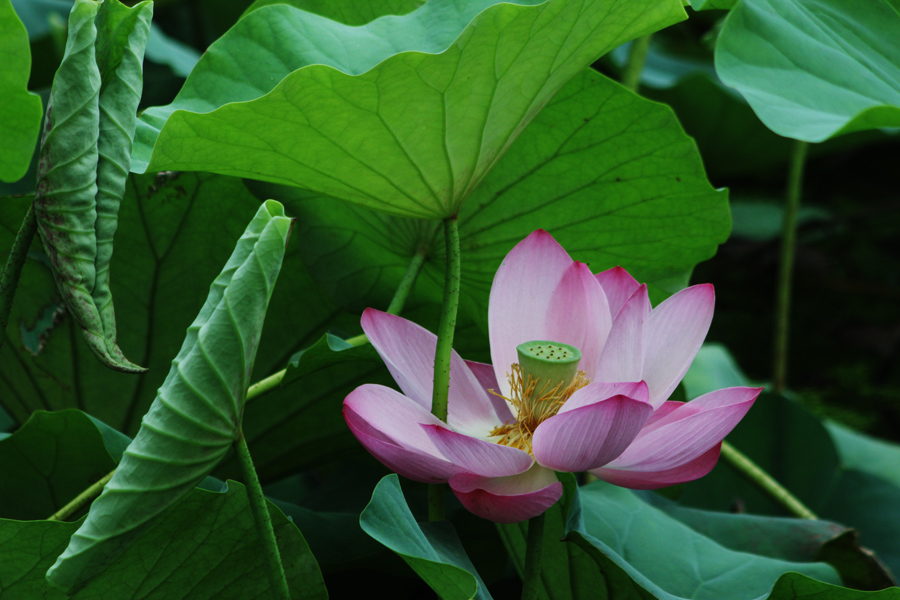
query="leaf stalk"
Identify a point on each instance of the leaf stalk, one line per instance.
(444, 351)
(416, 263)
(786, 268)
(637, 56)
(263, 521)
(9, 281)
(750, 471)
(82, 499)
(534, 549)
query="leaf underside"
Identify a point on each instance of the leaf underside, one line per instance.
(197, 412)
(319, 105)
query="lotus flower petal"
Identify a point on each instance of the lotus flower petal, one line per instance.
(508, 499)
(526, 288)
(388, 424)
(687, 432)
(598, 430)
(623, 356)
(672, 337)
(478, 456)
(651, 480)
(408, 351)
(618, 285)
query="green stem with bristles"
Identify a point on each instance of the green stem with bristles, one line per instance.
(263, 520)
(534, 549)
(81, 499)
(637, 55)
(750, 471)
(444, 350)
(395, 308)
(9, 280)
(785, 276)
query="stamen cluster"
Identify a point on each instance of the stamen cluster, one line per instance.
(534, 402)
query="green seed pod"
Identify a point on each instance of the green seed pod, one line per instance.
(85, 160)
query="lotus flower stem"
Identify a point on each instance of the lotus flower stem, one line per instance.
(263, 521)
(82, 499)
(788, 239)
(447, 327)
(531, 576)
(441, 389)
(9, 281)
(750, 471)
(637, 55)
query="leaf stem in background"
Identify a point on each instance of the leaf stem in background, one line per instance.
(395, 308)
(263, 521)
(408, 281)
(9, 281)
(534, 548)
(637, 54)
(444, 350)
(82, 499)
(785, 276)
(750, 471)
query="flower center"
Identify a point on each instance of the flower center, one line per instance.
(544, 378)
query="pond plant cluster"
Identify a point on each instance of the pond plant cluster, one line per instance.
(309, 298)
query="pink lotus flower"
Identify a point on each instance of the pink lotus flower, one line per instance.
(511, 425)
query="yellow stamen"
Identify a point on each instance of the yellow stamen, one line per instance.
(534, 403)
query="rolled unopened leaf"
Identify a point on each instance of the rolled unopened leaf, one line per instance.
(197, 412)
(85, 159)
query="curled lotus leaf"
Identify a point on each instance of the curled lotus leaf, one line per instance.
(85, 159)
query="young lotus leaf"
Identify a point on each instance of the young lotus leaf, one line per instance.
(197, 412)
(85, 158)
(20, 111)
(432, 550)
(815, 69)
(290, 97)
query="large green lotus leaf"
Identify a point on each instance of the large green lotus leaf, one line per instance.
(794, 586)
(610, 175)
(802, 540)
(814, 69)
(665, 558)
(798, 540)
(204, 547)
(20, 111)
(432, 550)
(712, 4)
(171, 243)
(47, 462)
(867, 493)
(348, 12)
(196, 415)
(865, 453)
(455, 83)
